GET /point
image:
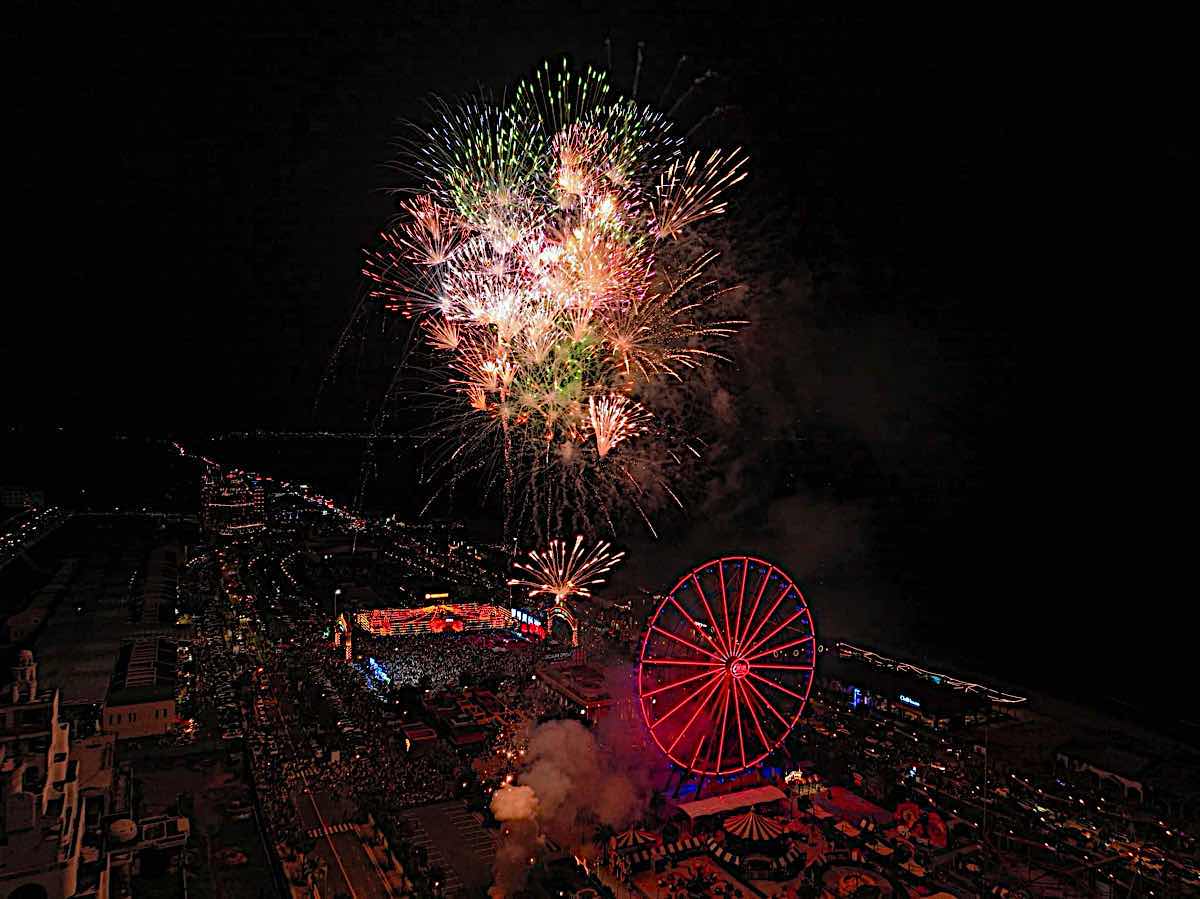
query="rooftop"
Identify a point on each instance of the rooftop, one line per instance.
(145, 671)
(581, 683)
(731, 802)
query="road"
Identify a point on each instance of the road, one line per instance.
(350, 869)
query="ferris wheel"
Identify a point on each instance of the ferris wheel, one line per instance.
(726, 665)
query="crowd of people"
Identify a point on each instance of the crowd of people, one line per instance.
(437, 661)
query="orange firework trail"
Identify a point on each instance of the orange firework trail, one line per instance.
(562, 573)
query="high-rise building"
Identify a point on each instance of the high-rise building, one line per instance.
(233, 507)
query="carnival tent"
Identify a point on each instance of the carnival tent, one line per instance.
(634, 839)
(753, 827)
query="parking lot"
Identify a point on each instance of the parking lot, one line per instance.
(456, 842)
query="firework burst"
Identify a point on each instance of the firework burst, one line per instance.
(561, 572)
(533, 255)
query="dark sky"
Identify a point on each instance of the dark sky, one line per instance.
(195, 187)
(198, 187)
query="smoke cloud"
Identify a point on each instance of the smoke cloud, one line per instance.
(570, 786)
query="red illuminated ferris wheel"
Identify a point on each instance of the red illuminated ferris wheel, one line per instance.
(726, 665)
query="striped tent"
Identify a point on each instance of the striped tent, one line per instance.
(688, 845)
(634, 839)
(753, 827)
(646, 856)
(640, 859)
(721, 854)
(790, 857)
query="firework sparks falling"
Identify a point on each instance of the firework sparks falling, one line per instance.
(614, 418)
(562, 573)
(687, 192)
(534, 258)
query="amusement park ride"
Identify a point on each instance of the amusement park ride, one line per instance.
(726, 663)
(726, 666)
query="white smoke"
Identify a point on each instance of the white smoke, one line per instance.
(569, 787)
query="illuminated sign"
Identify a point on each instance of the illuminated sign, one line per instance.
(429, 596)
(525, 617)
(908, 700)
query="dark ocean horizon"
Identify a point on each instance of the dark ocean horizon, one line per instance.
(1071, 657)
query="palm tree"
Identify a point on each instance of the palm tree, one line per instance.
(604, 833)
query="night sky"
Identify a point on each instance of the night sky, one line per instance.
(196, 191)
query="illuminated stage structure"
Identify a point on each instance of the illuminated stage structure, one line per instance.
(343, 636)
(726, 666)
(436, 619)
(560, 611)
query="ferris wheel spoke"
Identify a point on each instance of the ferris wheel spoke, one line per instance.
(754, 717)
(696, 754)
(801, 641)
(769, 705)
(767, 639)
(737, 712)
(710, 692)
(696, 625)
(724, 603)
(681, 662)
(708, 611)
(737, 625)
(687, 643)
(784, 667)
(715, 675)
(782, 593)
(678, 683)
(779, 687)
(724, 722)
(757, 598)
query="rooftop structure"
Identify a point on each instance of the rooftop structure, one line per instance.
(111, 600)
(579, 685)
(141, 696)
(42, 808)
(731, 802)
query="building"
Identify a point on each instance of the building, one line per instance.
(233, 507)
(579, 688)
(123, 594)
(141, 696)
(160, 586)
(42, 808)
(902, 694)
